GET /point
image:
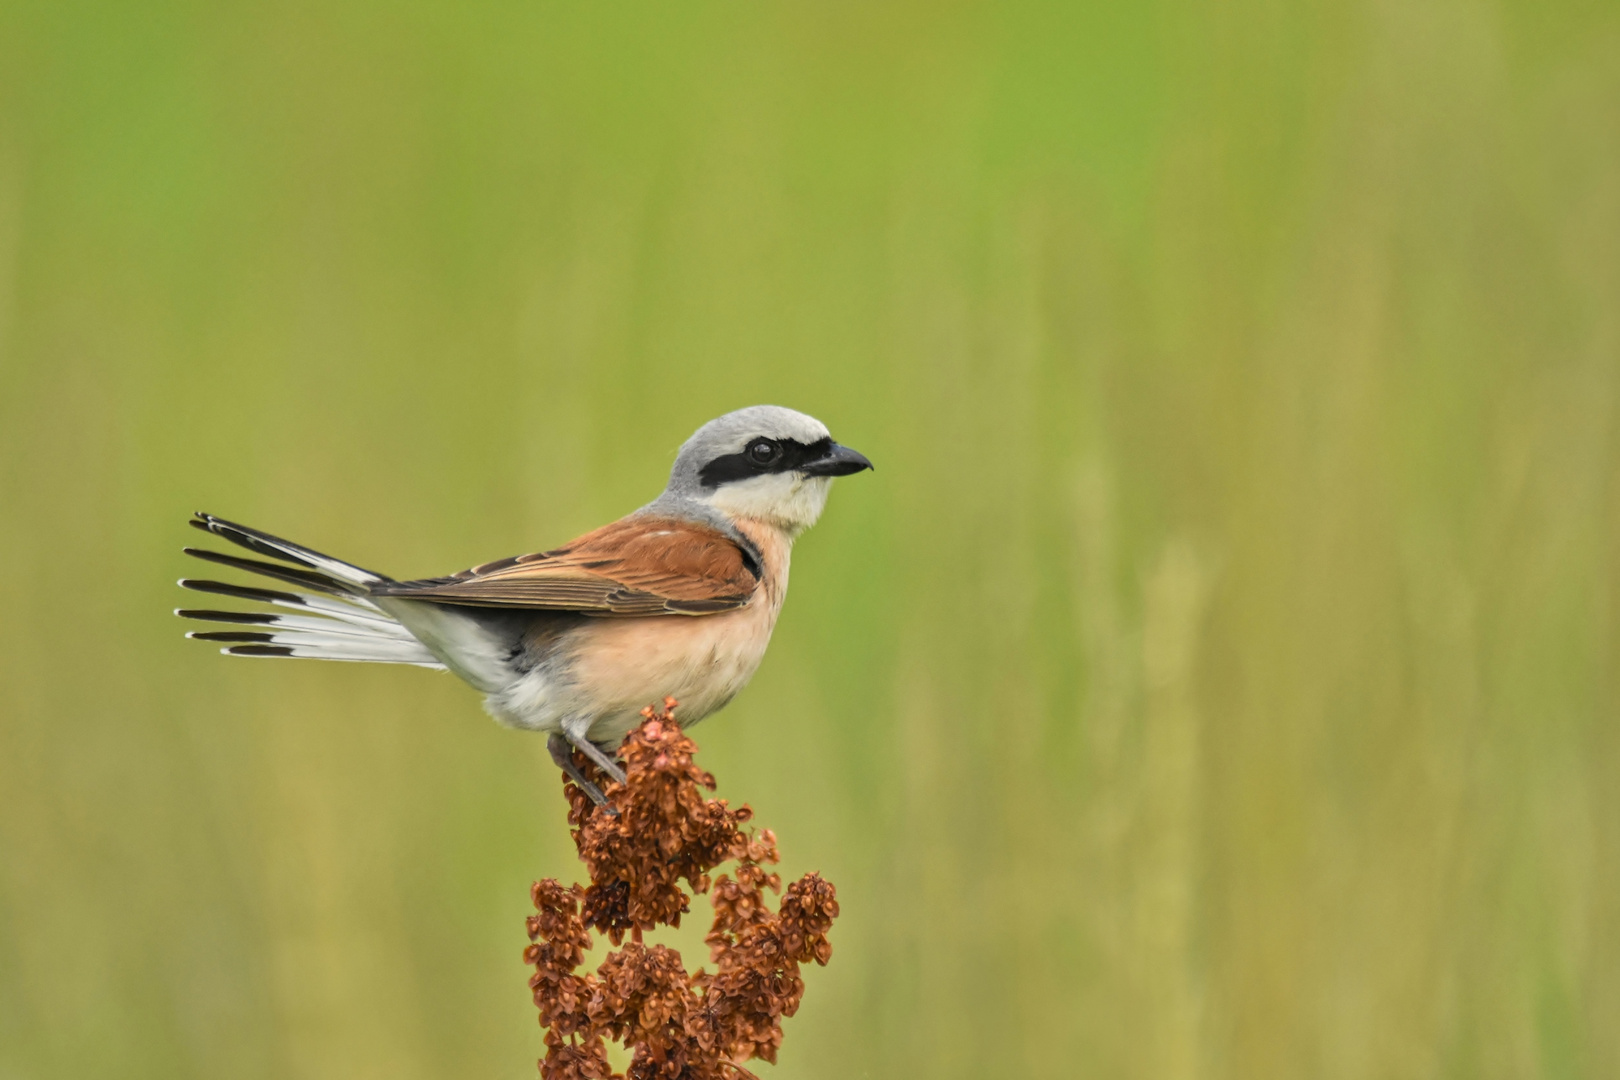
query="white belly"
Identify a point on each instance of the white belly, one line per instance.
(613, 668)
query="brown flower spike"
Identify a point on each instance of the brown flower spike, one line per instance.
(656, 832)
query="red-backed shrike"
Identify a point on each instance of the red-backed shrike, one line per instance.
(677, 599)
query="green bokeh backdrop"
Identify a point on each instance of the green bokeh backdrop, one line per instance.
(1217, 678)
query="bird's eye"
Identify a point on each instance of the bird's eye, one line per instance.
(764, 452)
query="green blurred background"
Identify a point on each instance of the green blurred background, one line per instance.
(1217, 678)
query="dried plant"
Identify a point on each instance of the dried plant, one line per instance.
(656, 832)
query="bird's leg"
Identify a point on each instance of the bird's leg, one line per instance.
(594, 752)
(563, 755)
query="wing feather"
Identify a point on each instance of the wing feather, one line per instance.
(639, 565)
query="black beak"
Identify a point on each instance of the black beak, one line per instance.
(837, 461)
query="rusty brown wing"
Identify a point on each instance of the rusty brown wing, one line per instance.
(639, 565)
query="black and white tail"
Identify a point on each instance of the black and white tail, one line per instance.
(331, 617)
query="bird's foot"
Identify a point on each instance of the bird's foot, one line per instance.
(600, 757)
(562, 754)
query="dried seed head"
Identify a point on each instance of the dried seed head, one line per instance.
(661, 832)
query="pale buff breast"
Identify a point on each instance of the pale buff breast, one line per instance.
(620, 666)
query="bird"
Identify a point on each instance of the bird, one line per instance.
(677, 599)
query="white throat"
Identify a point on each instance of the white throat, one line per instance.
(791, 501)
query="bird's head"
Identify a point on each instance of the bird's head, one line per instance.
(763, 462)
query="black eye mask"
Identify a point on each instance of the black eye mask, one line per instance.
(743, 466)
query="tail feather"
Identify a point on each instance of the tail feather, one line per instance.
(324, 624)
(292, 576)
(318, 645)
(349, 607)
(334, 622)
(262, 543)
